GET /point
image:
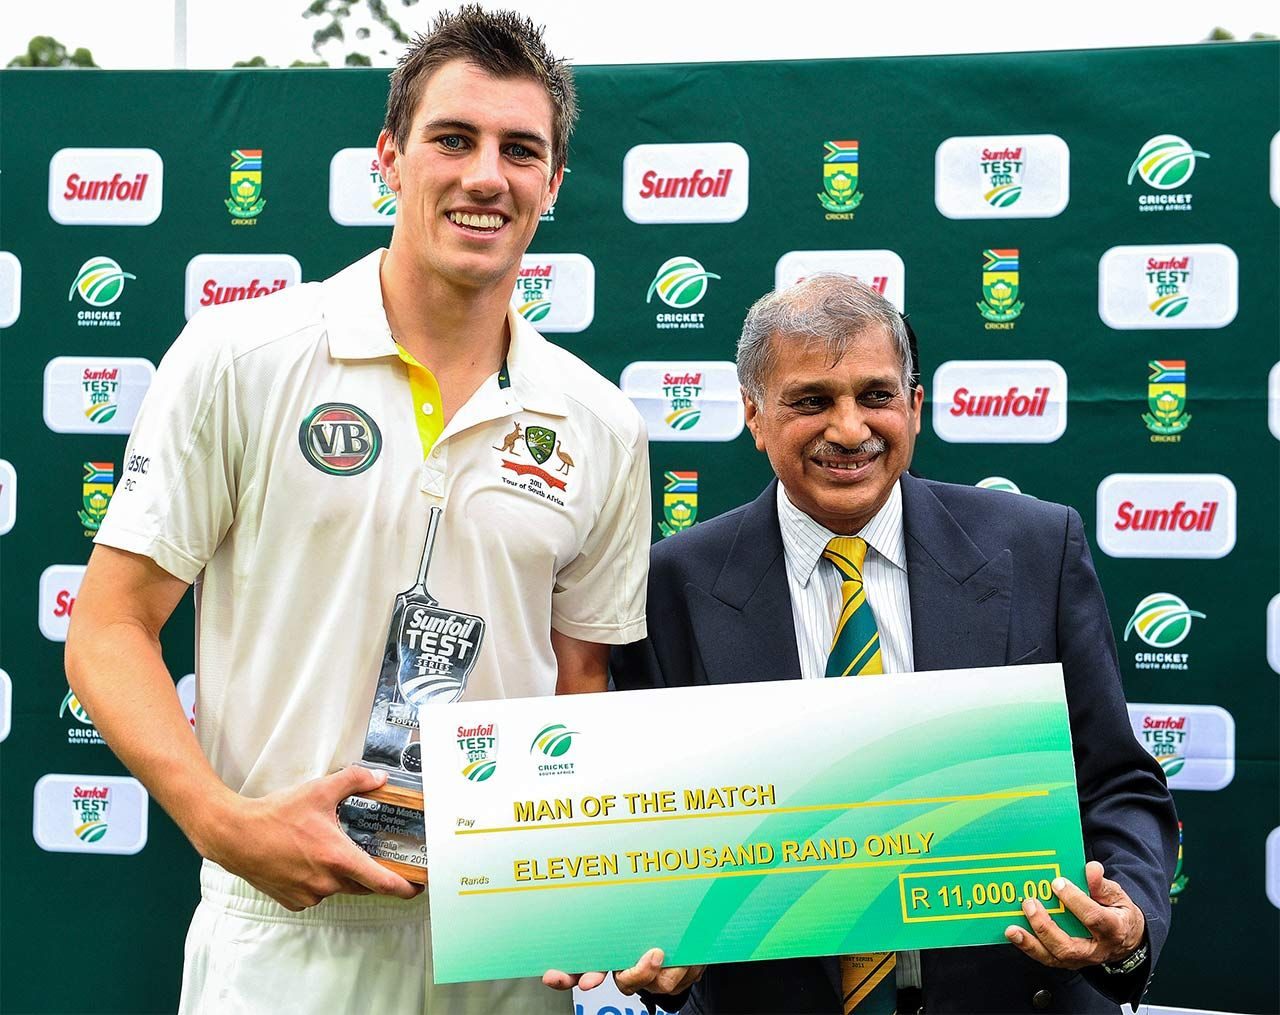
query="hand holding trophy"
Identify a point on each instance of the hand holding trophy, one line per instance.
(429, 654)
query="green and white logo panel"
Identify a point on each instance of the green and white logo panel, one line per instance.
(1002, 176)
(358, 195)
(1195, 744)
(89, 814)
(1186, 285)
(556, 293)
(94, 394)
(687, 400)
(882, 270)
(10, 289)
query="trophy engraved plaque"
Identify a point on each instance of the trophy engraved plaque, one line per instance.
(430, 652)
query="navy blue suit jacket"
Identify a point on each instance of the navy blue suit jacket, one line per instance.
(995, 579)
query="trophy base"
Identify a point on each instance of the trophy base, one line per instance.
(387, 823)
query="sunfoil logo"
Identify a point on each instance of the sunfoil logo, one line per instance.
(703, 182)
(100, 282)
(1195, 745)
(1165, 162)
(681, 282)
(105, 186)
(1162, 620)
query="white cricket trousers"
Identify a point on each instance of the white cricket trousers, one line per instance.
(351, 955)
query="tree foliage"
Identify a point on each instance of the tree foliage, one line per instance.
(46, 51)
(337, 14)
(1221, 34)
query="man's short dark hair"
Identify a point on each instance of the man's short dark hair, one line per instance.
(502, 43)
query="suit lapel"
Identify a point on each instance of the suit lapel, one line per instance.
(743, 626)
(960, 598)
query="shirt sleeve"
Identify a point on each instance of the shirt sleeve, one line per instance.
(600, 596)
(176, 497)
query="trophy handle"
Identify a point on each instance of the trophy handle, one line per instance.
(433, 523)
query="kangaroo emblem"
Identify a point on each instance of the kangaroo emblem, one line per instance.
(509, 442)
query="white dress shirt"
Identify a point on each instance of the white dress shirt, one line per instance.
(817, 597)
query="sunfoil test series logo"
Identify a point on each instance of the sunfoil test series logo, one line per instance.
(840, 194)
(1167, 400)
(1165, 163)
(478, 748)
(553, 741)
(1000, 304)
(1195, 745)
(1161, 621)
(100, 282)
(246, 201)
(680, 283)
(556, 292)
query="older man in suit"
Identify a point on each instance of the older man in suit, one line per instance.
(955, 576)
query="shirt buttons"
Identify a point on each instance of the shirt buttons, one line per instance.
(428, 408)
(436, 453)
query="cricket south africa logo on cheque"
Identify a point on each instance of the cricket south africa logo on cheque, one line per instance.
(340, 439)
(553, 742)
(478, 749)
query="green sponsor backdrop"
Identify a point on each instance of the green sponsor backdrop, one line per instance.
(105, 933)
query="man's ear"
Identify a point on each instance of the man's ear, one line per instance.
(917, 405)
(751, 414)
(553, 191)
(387, 155)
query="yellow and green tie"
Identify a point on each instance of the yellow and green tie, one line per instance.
(866, 980)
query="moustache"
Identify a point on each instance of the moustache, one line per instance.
(871, 446)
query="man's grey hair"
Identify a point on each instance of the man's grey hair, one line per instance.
(827, 307)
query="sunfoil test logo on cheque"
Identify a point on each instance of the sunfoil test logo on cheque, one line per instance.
(1165, 163)
(1195, 745)
(1002, 176)
(704, 182)
(556, 292)
(99, 282)
(680, 283)
(340, 439)
(1189, 285)
(1161, 621)
(553, 742)
(478, 749)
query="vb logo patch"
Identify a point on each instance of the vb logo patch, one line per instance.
(340, 439)
(541, 444)
(553, 742)
(478, 748)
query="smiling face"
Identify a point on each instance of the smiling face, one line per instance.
(474, 175)
(837, 435)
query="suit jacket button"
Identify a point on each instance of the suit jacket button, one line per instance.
(1041, 1000)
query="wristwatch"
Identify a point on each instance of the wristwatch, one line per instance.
(1127, 965)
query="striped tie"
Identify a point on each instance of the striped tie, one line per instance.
(867, 981)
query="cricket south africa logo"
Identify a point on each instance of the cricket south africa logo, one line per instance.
(553, 742)
(1168, 285)
(533, 291)
(246, 201)
(1002, 171)
(680, 283)
(478, 748)
(85, 732)
(100, 282)
(1161, 621)
(90, 806)
(679, 502)
(99, 484)
(1000, 305)
(1165, 163)
(1167, 400)
(840, 194)
(340, 439)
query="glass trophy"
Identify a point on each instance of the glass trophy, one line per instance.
(430, 652)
